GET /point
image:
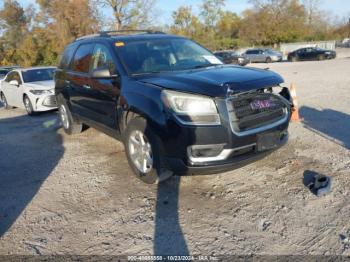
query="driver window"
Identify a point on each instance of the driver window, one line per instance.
(13, 76)
(17, 77)
(102, 59)
(9, 77)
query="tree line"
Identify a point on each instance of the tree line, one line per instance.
(36, 35)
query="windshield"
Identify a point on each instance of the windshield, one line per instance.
(164, 55)
(35, 75)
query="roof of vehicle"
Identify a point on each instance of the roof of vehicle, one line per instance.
(9, 67)
(136, 35)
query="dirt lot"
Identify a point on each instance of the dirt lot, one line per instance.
(76, 195)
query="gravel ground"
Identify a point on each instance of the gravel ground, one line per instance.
(64, 194)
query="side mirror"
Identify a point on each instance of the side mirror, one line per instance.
(14, 83)
(102, 73)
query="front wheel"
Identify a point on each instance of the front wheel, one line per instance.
(144, 153)
(28, 106)
(70, 125)
(268, 60)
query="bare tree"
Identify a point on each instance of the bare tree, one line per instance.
(312, 9)
(129, 13)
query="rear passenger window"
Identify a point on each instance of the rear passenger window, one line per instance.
(82, 58)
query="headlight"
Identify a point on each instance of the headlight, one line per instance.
(41, 92)
(191, 109)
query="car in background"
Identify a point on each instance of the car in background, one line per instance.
(261, 55)
(232, 57)
(5, 69)
(30, 88)
(311, 53)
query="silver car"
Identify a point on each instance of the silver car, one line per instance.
(263, 55)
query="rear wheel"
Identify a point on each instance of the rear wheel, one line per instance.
(143, 152)
(4, 101)
(70, 125)
(28, 106)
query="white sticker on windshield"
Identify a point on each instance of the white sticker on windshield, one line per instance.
(212, 59)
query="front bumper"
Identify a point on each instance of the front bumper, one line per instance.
(237, 149)
(276, 58)
(44, 103)
(180, 168)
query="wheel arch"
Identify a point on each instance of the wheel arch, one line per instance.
(140, 105)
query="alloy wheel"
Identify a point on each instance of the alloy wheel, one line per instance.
(64, 116)
(27, 105)
(140, 151)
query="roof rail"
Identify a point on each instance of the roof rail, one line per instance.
(118, 32)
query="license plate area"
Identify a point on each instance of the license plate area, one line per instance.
(268, 141)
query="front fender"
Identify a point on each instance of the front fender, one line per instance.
(148, 105)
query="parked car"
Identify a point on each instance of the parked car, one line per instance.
(5, 69)
(29, 88)
(175, 106)
(231, 57)
(263, 55)
(311, 53)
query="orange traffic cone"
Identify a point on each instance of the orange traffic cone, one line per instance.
(295, 110)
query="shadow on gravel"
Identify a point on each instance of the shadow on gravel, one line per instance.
(30, 149)
(328, 123)
(168, 236)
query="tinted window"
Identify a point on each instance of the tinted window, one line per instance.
(102, 59)
(35, 75)
(82, 58)
(252, 52)
(67, 56)
(163, 55)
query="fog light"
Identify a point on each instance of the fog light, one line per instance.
(205, 151)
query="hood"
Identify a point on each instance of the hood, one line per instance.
(42, 85)
(215, 81)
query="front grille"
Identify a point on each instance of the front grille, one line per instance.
(254, 110)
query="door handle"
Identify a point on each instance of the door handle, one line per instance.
(87, 86)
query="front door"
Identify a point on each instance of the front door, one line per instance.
(12, 92)
(104, 91)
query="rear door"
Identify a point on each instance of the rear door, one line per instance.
(78, 80)
(104, 92)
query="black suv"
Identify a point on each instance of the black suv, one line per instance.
(174, 105)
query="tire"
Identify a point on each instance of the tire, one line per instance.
(70, 125)
(321, 57)
(28, 106)
(144, 153)
(268, 60)
(4, 101)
